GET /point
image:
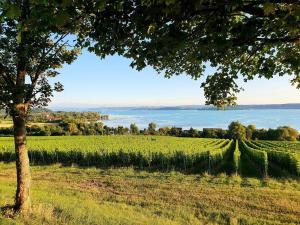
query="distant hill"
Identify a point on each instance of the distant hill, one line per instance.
(270, 106)
(238, 107)
(206, 107)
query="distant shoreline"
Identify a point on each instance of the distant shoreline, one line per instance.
(205, 107)
(182, 107)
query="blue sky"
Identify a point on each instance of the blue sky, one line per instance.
(91, 82)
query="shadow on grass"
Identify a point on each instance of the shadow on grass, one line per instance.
(7, 211)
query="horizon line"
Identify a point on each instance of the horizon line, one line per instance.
(163, 105)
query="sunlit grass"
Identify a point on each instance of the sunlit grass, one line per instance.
(65, 195)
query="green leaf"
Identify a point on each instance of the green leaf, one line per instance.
(91, 49)
(101, 4)
(61, 19)
(119, 6)
(66, 3)
(13, 12)
(269, 8)
(19, 37)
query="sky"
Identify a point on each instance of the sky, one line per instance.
(92, 82)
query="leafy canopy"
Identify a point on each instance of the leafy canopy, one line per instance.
(236, 38)
(246, 38)
(237, 131)
(34, 43)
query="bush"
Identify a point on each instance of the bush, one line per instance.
(237, 131)
(134, 129)
(152, 128)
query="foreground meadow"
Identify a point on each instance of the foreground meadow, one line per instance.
(69, 195)
(155, 180)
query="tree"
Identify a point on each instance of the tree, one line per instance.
(134, 129)
(292, 134)
(163, 130)
(121, 130)
(244, 39)
(285, 133)
(36, 38)
(99, 128)
(175, 131)
(249, 131)
(152, 128)
(237, 131)
(72, 128)
(192, 132)
(213, 133)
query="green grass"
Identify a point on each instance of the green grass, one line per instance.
(123, 192)
(65, 195)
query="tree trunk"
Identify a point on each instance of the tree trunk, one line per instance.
(18, 112)
(22, 201)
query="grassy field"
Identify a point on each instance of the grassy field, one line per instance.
(155, 180)
(66, 195)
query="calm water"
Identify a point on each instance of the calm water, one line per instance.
(262, 118)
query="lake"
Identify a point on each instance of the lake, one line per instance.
(262, 118)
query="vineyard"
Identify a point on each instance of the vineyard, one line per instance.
(273, 156)
(258, 158)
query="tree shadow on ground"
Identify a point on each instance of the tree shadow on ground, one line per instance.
(7, 211)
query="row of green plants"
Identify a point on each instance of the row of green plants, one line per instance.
(218, 155)
(236, 158)
(258, 156)
(263, 155)
(282, 156)
(163, 153)
(282, 145)
(159, 152)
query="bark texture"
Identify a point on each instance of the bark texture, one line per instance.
(19, 112)
(22, 199)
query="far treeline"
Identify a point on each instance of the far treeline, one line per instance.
(88, 123)
(69, 117)
(48, 116)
